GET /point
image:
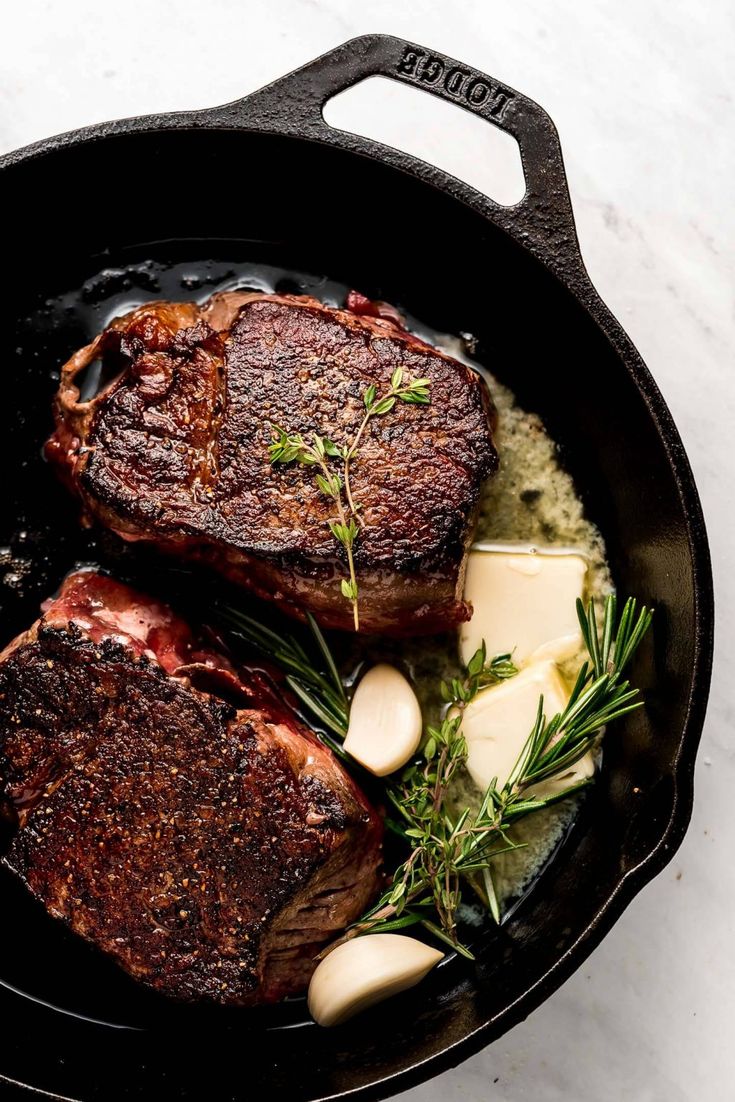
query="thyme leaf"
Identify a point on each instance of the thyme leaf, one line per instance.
(446, 852)
(317, 451)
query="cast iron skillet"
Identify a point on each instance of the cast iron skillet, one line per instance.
(105, 212)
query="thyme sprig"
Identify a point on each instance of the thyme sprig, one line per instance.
(318, 451)
(445, 852)
(449, 853)
(430, 877)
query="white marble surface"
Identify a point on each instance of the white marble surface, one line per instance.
(641, 93)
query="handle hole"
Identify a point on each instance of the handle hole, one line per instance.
(455, 140)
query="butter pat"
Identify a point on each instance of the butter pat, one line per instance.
(524, 602)
(499, 720)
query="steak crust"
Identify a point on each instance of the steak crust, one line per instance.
(211, 849)
(174, 450)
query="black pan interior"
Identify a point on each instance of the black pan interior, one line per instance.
(175, 214)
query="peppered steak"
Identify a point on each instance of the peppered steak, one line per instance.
(174, 450)
(210, 847)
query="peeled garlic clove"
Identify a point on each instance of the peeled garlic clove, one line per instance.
(364, 971)
(385, 721)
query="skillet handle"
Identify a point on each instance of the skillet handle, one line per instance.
(543, 220)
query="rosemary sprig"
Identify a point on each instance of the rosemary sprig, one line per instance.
(317, 451)
(320, 691)
(446, 852)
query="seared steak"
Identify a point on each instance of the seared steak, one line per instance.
(210, 847)
(174, 450)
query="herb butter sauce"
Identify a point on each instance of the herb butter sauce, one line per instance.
(530, 500)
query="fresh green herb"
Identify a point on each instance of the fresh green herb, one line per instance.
(316, 683)
(335, 485)
(446, 852)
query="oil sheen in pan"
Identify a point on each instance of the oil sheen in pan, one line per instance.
(531, 499)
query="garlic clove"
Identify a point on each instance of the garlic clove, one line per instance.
(385, 721)
(364, 971)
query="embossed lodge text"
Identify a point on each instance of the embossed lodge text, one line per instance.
(466, 87)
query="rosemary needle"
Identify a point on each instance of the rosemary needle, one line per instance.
(446, 853)
(321, 692)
